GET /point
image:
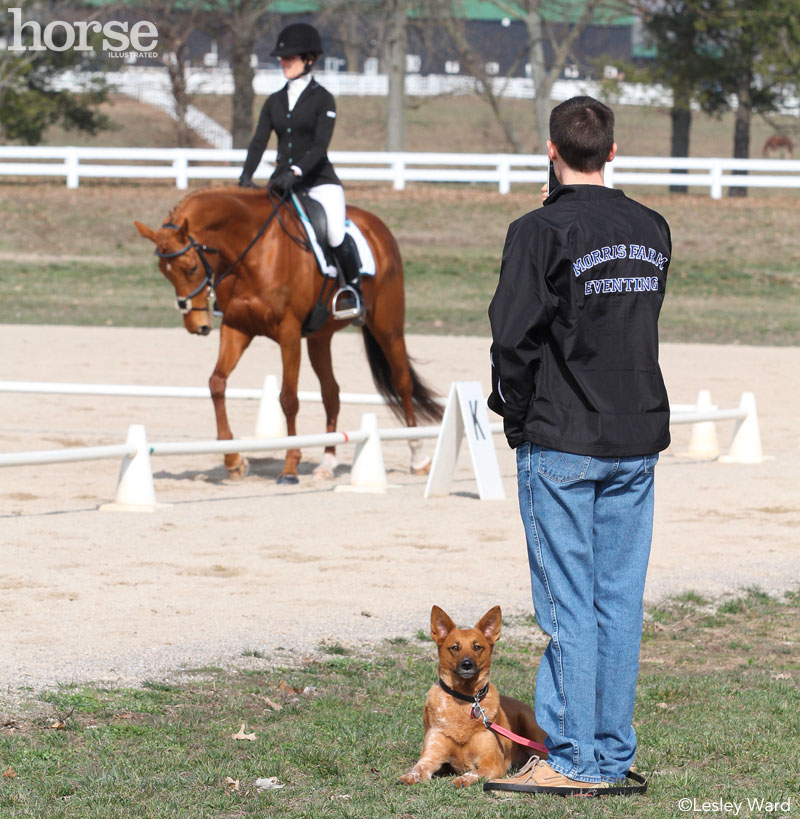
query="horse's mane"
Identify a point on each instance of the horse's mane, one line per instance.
(211, 190)
(200, 192)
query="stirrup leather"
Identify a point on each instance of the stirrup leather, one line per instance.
(346, 312)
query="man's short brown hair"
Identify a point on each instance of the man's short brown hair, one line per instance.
(582, 128)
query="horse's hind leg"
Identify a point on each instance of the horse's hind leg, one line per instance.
(319, 353)
(232, 343)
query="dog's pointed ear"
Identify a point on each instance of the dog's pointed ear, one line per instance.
(489, 625)
(147, 232)
(441, 625)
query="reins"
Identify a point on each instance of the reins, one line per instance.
(276, 206)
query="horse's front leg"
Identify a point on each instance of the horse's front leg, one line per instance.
(289, 340)
(232, 343)
(319, 353)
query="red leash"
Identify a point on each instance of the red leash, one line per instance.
(478, 712)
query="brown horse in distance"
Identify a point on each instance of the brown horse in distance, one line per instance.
(779, 144)
(270, 291)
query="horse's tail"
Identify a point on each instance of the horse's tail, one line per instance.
(423, 397)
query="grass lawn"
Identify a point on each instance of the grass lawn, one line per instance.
(74, 257)
(717, 716)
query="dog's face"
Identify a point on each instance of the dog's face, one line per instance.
(466, 653)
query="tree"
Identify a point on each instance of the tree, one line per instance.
(239, 22)
(176, 24)
(356, 27)
(396, 40)
(683, 35)
(539, 33)
(451, 35)
(749, 37)
(29, 100)
(712, 52)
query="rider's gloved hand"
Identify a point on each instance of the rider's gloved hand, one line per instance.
(285, 180)
(246, 181)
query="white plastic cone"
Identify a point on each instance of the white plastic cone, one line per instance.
(703, 443)
(369, 472)
(746, 442)
(271, 422)
(135, 488)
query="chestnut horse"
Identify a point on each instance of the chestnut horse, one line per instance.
(243, 247)
(778, 144)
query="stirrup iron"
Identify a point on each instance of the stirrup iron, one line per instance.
(348, 312)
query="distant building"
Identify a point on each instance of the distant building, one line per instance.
(497, 37)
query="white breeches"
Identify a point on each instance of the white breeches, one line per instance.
(331, 197)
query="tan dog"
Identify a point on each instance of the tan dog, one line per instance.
(452, 736)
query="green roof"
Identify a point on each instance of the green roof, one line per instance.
(293, 6)
(554, 11)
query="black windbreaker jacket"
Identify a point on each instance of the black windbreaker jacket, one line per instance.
(304, 134)
(574, 326)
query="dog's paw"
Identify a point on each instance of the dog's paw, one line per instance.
(465, 780)
(411, 778)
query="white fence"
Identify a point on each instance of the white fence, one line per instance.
(502, 170)
(219, 80)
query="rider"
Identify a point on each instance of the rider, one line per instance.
(303, 114)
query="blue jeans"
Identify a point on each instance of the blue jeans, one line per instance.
(588, 524)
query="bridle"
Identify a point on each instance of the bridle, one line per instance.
(184, 303)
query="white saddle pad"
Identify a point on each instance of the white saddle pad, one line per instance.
(364, 250)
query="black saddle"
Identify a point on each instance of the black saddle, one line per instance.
(319, 221)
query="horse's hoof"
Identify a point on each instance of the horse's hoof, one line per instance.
(325, 469)
(288, 479)
(240, 471)
(422, 468)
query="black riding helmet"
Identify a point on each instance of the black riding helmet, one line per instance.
(298, 38)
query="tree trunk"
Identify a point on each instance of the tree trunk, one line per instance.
(681, 116)
(512, 140)
(396, 59)
(741, 128)
(541, 101)
(177, 76)
(243, 95)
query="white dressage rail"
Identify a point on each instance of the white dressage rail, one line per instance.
(68, 455)
(135, 489)
(94, 453)
(503, 170)
(703, 415)
(145, 391)
(681, 413)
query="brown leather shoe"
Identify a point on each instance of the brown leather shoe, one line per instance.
(536, 776)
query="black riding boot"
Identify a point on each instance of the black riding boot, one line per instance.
(348, 301)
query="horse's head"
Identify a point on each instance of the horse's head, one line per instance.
(185, 263)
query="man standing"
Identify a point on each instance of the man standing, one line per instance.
(575, 376)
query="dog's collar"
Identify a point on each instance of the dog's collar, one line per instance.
(463, 697)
